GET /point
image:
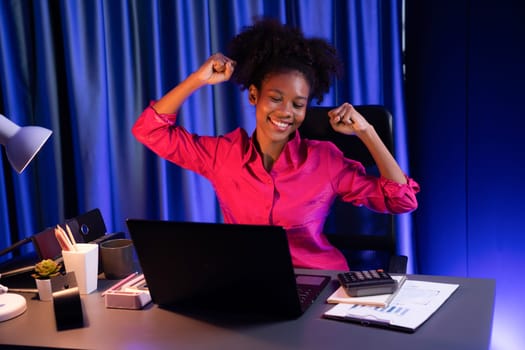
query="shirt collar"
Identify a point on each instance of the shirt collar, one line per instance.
(293, 154)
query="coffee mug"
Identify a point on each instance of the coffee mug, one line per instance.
(117, 258)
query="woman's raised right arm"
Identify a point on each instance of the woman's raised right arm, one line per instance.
(217, 69)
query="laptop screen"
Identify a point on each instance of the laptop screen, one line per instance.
(217, 266)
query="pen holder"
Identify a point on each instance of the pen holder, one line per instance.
(84, 262)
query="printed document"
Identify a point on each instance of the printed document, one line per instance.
(413, 304)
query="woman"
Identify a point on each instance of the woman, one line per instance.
(273, 176)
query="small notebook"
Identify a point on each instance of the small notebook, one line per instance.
(381, 300)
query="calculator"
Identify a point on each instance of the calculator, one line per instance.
(367, 282)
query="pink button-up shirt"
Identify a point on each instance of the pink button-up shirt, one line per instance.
(297, 193)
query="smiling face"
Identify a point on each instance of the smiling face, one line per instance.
(280, 107)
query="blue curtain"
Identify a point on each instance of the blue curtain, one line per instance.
(87, 68)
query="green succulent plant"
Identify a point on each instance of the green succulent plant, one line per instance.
(46, 269)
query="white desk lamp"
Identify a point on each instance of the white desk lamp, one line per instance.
(21, 145)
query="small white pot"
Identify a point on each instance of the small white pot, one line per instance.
(44, 289)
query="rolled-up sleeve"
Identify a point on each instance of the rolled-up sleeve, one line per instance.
(174, 143)
(153, 129)
(400, 198)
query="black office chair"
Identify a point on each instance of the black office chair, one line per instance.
(367, 239)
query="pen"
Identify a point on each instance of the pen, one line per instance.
(23, 290)
(133, 282)
(62, 239)
(70, 234)
(120, 283)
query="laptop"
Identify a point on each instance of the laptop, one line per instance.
(237, 269)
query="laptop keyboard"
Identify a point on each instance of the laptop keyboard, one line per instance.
(309, 287)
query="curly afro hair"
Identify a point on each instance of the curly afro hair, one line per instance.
(269, 47)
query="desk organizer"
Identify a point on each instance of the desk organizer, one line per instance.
(130, 293)
(126, 299)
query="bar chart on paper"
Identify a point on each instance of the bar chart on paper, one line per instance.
(411, 307)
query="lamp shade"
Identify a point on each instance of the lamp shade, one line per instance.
(21, 143)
